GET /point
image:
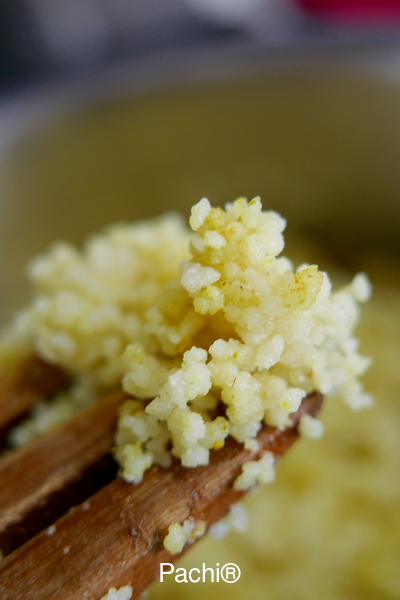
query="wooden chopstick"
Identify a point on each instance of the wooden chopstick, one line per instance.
(31, 475)
(115, 539)
(24, 384)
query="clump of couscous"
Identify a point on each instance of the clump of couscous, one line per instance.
(256, 471)
(237, 519)
(123, 593)
(178, 535)
(195, 319)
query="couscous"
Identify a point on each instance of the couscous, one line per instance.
(193, 319)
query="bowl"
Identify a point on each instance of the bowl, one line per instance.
(317, 139)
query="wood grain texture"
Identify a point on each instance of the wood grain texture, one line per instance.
(24, 384)
(117, 540)
(30, 475)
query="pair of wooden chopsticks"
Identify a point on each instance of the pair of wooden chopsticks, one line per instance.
(115, 536)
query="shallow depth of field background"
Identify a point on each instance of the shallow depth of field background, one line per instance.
(288, 104)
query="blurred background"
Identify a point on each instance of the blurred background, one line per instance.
(120, 109)
(115, 109)
(45, 39)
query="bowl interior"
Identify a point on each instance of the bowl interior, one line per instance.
(322, 149)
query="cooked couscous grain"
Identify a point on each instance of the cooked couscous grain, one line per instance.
(175, 539)
(310, 427)
(193, 320)
(124, 593)
(179, 535)
(260, 471)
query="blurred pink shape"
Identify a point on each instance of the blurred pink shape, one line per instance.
(380, 12)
